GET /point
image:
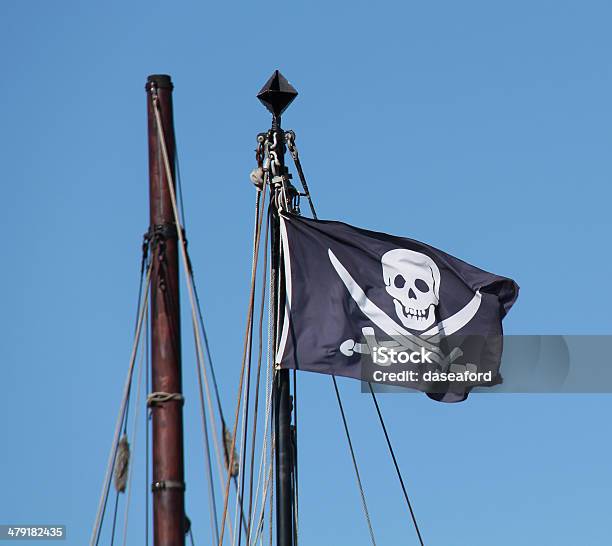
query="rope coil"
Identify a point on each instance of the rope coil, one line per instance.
(227, 445)
(122, 464)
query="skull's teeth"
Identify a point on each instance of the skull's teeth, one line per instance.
(417, 313)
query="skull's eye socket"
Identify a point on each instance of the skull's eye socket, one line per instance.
(399, 281)
(421, 285)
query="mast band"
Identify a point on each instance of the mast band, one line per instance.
(167, 484)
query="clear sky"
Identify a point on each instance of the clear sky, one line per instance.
(482, 128)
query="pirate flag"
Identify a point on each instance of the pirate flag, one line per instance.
(389, 310)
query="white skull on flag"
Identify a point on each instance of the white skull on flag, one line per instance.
(412, 279)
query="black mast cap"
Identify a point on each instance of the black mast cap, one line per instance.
(277, 93)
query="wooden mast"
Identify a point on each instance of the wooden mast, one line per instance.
(168, 486)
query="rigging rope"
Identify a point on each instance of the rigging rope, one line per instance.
(126, 389)
(270, 380)
(114, 518)
(246, 392)
(257, 380)
(397, 469)
(211, 487)
(261, 478)
(207, 347)
(260, 208)
(296, 489)
(134, 438)
(350, 443)
(290, 137)
(243, 441)
(258, 529)
(244, 356)
(147, 418)
(271, 513)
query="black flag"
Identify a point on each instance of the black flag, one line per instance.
(355, 298)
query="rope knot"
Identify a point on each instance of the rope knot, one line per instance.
(156, 398)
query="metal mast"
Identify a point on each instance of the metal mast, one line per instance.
(276, 95)
(166, 401)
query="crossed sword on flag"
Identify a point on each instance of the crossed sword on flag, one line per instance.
(402, 338)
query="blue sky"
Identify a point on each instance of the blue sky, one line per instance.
(482, 128)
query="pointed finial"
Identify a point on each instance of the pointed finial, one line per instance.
(277, 93)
